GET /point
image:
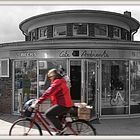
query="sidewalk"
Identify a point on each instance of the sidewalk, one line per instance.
(106, 127)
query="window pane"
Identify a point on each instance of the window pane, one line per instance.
(25, 86)
(60, 30)
(4, 68)
(100, 30)
(115, 87)
(135, 87)
(80, 29)
(116, 32)
(33, 35)
(43, 32)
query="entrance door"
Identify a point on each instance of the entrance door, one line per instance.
(75, 76)
(91, 84)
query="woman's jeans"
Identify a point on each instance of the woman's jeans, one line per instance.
(54, 112)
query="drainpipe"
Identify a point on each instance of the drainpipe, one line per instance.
(132, 36)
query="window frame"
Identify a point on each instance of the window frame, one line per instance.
(57, 35)
(100, 35)
(33, 35)
(74, 33)
(7, 70)
(118, 28)
(43, 32)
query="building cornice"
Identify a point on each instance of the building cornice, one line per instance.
(71, 44)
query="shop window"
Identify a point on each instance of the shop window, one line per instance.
(101, 30)
(135, 86)
(25, 82)
(80, 29)
(59, 30)
(4, 67)
(43, 32)
(116, 32)
(115, 87)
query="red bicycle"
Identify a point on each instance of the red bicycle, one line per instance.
(34, 123)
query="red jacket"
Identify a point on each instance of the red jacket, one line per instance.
(58, 93)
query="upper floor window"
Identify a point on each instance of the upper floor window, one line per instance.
(80, 29)
(33, 35)
(59, 30)
(101, 30)
(43, 32)
(116, 32)
(125, 34)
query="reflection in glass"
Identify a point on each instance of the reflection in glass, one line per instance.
(115, 91)
(60, 30)
(100, 30)
(116, 32)
(80, 29)
(42, 32)
(135, 86)
(25, 82)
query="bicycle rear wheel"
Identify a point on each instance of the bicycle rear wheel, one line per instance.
(80, 127)
(25, 127)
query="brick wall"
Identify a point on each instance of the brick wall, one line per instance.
(6, 95)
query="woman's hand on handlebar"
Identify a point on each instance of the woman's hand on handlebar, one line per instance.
(34, 105)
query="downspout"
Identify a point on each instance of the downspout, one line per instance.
(132, 36)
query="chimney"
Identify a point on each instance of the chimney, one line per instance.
(127, 13)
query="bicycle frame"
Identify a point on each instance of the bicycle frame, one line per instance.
(43, 121)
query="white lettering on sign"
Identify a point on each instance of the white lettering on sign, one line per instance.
(27, 54)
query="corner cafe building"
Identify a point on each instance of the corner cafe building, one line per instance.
(95, 48)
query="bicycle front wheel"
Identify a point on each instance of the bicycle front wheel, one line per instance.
(80, 127)
(25, 127)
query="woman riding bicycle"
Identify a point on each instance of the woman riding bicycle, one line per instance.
(60, 98)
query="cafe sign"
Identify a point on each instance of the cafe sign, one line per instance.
(75, 53)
